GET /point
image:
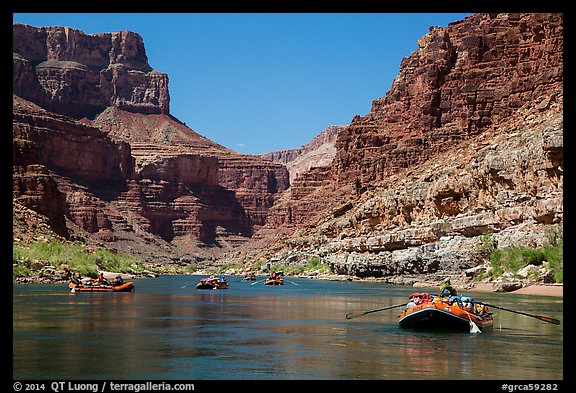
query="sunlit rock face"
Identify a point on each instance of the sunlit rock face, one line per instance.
(467, 144)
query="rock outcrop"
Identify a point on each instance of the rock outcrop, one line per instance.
(462, 80)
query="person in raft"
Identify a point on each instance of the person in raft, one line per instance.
(446, 289)
(76, 279)
(101, 279)
(118, 281)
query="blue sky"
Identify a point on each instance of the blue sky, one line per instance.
(261, 82)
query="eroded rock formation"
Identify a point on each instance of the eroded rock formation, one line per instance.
(79, 75)
(97, 152)
(317, 153)
(467, 142)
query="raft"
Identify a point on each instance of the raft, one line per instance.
(126, 287)
(274, 281)
(437, 315)
(209, 284)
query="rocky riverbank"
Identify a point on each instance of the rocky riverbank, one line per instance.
(51, 275)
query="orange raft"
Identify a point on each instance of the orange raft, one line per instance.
(439, 314)
(126, 287)
(274, 281)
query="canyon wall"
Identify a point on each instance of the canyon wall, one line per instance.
(97, 152)
(319, 152)
(462, 80)
(468, 143)
(79, 75)
(466, 147)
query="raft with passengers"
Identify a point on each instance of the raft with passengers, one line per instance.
(79, 284)
(427, 311)
(275, 278)
(447, 311)
(214, 282)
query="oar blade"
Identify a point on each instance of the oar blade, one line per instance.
(352, 315)
(549, 320)
(540, 317)
(474, 328)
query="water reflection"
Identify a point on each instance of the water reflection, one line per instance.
(254, 332)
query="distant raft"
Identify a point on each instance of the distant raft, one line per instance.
(212, 283)
(125, 287)
(274, 281)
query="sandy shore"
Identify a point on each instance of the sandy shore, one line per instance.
(541, 290)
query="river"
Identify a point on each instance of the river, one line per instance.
(169, 330)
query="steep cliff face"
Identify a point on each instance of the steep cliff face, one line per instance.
(467, 142)
(462, 80)
(47, 150)
(97, 152)
(79, 75)
(166, 149)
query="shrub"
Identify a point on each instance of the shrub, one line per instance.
(511, 259)
(28, 259)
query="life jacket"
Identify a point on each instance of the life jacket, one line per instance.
(419, 298)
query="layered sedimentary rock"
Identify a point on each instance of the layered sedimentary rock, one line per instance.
(166, 149)
(467, 143)
(97, 152)
(317, 153)
(79, 75)
(462, 80)
(49, 150)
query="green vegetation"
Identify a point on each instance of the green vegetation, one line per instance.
(511, 259)
(52, 63)
(229, 266)
(313, 264)
(29, 259)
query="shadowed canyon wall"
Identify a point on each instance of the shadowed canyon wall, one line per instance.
(97, 152)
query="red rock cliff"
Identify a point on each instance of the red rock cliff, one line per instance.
(79, 75)
(96, 151)
(462, 80)
(466, 146)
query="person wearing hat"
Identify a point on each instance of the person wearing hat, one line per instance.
(101, 279)
(118, 280)
(447, 289)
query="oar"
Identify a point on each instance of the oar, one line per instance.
(291, 282)
(256, 282)
(357, 314)
(540, 317)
